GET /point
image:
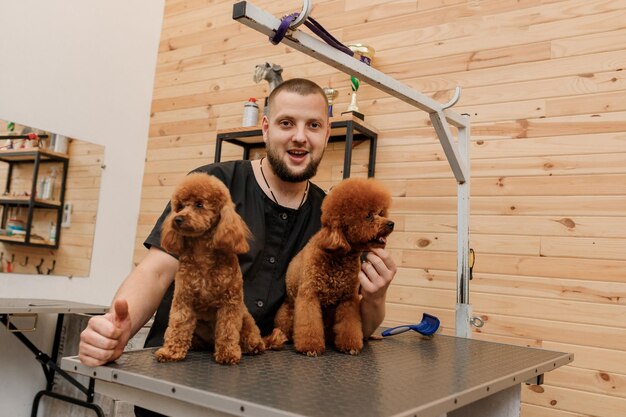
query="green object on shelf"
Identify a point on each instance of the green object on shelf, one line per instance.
(10, 126)
(354, 83)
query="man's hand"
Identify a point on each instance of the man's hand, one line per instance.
(377, 272)
(106, 336)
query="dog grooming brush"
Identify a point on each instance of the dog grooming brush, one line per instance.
(427, 327)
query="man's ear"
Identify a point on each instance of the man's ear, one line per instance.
(327, 133)
(265, 125)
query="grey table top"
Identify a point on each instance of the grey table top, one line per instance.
(405, 375)
(31, 305)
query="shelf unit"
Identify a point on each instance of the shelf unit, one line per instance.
(37, 157)
(346, 129)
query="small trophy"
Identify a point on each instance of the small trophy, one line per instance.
(354, 84)
(363, 53)
(331, 95)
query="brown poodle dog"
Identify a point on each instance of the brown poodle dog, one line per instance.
(322, 280)
(206, 233)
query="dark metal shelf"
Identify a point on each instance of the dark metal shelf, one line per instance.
(35, 156)
(26, 201)
(29, 155)
(346, 129)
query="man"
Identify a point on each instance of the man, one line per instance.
(282, 209)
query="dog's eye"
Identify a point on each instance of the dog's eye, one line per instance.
(370, 216)
(199, 204)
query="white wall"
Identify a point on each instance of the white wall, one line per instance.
(85, 70)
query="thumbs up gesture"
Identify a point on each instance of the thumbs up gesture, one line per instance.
(105, 337)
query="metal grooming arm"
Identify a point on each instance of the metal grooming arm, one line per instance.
(440, 115)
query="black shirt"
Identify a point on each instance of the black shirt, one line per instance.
(279, 233)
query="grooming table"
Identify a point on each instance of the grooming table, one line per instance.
(28, 309)
(405, 375)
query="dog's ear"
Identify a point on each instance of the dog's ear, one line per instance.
(171, 240)
(333, 239)
(232, 233)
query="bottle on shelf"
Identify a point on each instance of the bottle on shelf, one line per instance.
(47, 185)
(250, 113)
(53, 234)
(41, 187)
(266, 108)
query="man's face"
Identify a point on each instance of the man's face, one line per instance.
(295, 133)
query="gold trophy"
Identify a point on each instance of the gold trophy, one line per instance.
(363, 53)
(331, 95)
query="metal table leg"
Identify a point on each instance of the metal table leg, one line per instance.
(50, 367)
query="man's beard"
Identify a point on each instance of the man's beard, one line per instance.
(283, 172)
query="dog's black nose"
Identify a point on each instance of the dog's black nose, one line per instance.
(178, 220)
(390, 225)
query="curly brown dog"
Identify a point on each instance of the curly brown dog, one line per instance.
(206, 233)
(322, 280)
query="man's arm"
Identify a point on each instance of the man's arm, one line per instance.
(136, 301)
(376, 274)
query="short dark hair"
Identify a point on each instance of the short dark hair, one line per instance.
(300, 86)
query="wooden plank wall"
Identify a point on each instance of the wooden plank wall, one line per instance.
(543, 82)
(73, 257)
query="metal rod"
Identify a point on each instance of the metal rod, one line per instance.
(347, 160)
(255, 18)
(21, 136)
(440, 116)
(464, 310)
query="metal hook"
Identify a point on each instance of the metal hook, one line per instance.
(454, 100)
(38, 267)
(477, 322)
(25, 262)
(54, 262)
(304, 14)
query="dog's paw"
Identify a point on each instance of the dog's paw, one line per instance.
(351, 347)
(230, 356)
(254, 346)
(276, 340)
(167, 355)
(310, 348)
(353, 352)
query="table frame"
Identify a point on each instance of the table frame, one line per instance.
(10, 308)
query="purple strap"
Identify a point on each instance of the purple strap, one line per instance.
(315, 28)
(282, 29)
(327, 37)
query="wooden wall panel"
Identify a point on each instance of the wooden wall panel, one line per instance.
(543, 82)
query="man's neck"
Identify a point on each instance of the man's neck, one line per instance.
(283, 193)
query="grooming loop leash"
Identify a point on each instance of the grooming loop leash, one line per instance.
(292, 21)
